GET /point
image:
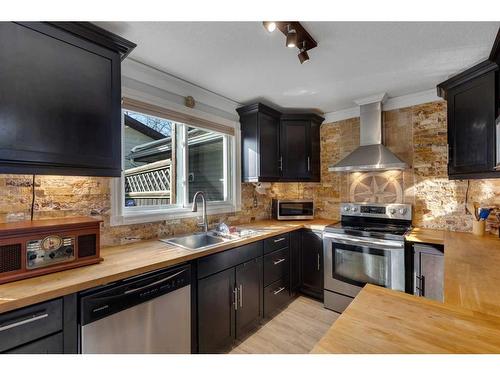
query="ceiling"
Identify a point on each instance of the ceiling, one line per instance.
(241, 61)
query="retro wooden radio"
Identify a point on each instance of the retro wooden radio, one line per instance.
(34, 248)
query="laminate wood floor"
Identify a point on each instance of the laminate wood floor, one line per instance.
(293, 331)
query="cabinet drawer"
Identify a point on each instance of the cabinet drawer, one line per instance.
(275, 243)
(227, 259)
(30, 323)
(276, 296)
(276, 265)
(48, 345)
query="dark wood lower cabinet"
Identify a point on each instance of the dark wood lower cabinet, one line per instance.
(48, 345)
(249, 309)
(230, 305)
(312, 264)
(216, 313)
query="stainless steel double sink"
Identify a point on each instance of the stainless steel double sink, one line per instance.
(201, 241)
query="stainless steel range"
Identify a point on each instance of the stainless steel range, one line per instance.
(367, 246)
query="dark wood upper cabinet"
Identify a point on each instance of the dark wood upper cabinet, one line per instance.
(260, 126)
(60, 99)
(473, 101)
(300, 147)
(279, 147)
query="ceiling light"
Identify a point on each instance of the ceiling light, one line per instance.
(269, 25)
(303, 55)
(291, 37)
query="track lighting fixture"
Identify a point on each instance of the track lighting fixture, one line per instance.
(303, 55)
(291, 37)
(296, 37)
(269, 25)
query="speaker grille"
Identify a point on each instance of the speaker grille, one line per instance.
(10, 258)
(87, 245)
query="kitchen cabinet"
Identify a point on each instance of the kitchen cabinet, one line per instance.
(260, 126)
(312, 264)
(428, 271)
(216, 313)
(229, 301)
(48, 327)
(299, 147)
(60, 102)
(472, 109)
(278, 146)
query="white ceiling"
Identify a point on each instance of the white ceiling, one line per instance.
(243, 62)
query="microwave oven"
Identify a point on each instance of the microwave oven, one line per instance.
(295, 209)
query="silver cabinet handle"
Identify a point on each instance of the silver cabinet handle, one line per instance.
(278, 291)
(281, 163)
(308, 163)
(280, 239)
(279, 261)
(241, 295)
(235, 301)
(319, 265)
(23, 322)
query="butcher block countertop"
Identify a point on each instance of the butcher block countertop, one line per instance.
(380, 320)
(384, 321)
(130, 260)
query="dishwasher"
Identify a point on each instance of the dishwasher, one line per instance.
(150, 313)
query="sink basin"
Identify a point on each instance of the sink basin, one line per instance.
(195, 241)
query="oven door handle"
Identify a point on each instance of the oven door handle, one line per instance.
(372, 242)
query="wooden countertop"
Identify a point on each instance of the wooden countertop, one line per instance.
(424, 235)
(380, 320)
(129, 260)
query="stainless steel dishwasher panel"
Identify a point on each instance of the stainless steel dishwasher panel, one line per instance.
(160, 325)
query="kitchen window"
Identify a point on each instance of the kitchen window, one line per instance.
(167, 158)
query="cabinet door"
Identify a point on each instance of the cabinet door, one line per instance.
(60, 103)
(216, 313)
(471, 126)
(312, 264)
(249, 309)
(429, 274)
(295, 261)
(295, 146)
(268, 147)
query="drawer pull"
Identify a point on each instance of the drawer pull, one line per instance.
(279, 290)
(23, 322)
(280, 239)
(279, 261)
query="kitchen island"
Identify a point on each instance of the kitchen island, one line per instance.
(380, 320)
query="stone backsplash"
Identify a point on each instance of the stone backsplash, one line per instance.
(416, 134)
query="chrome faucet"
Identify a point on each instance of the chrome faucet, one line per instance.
(204, 218)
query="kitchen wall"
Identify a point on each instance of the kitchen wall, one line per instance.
(416, 134)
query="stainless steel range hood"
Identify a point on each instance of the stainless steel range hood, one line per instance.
(371, 155)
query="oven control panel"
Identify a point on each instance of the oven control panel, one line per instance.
(381, 210)
(49, 250)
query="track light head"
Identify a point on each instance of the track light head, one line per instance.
(291, 37)
(303, 55)
(270, 26)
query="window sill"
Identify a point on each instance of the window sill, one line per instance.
(150, 216)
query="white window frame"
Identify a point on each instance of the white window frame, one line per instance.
(121, 215)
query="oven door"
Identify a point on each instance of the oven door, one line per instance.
(351, 262)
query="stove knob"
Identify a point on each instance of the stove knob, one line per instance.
(31, 255)
(52, 255)
(392, 211)
(347, 208)
(354, 209)
(402, 211)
